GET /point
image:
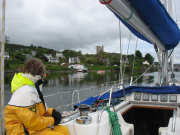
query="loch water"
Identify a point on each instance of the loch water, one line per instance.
(61, 88)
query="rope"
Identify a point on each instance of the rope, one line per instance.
(126, 55)
(175, 12)
(120, 55)
(172, 74)
(162, 65)
(170, 53)
(127, 19)
(158, 81)
(143, 73)
(114, 121)
(134, 56)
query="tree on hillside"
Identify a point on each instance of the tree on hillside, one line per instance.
(138, 54)
(79, 53)
(82, 57)
(51, 51)
(20, 57)
(26, 51)
(72, 53)
(114, 60)
(39, 54)
(39, 46)
(65, 51)
(149, 58)
(32, 47)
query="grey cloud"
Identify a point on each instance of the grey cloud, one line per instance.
(65, 24)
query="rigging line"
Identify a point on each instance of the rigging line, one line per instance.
(126, 55)
(171, 69)
(163, 59)
(175, 12)
(143, 73)
(122, 36)
(170, 53)
(134, 56)
(121, 53)
(171, 63)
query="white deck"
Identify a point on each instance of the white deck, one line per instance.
(103, 128)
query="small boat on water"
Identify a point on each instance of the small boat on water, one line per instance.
(101, 71)
(80, 68)
(85, 69)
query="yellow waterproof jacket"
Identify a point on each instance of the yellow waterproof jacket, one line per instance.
(25, 113)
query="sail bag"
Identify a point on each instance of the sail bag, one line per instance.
(156, 17)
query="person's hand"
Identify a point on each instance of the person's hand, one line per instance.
(57, 117)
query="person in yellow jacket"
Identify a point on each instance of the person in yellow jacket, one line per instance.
(26, 112)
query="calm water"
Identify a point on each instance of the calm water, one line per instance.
(68, 82)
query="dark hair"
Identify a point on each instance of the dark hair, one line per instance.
(34, 67)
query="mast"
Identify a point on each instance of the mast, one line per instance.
(2, 131)
(168, 6)
(172, 55)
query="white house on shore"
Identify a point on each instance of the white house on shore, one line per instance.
(51, 59)
(60, 55)
(48, 56)
(6, 56)
(33, 53)
(54, 59)
(125, 60)
(74, 60)
(145, 62)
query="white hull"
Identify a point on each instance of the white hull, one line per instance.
(103, 127)
(79, 70)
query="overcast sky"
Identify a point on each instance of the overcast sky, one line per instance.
(79, 25)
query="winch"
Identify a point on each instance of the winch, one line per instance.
(83, 118)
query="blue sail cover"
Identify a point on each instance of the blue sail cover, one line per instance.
(153, 13)
(130, 89)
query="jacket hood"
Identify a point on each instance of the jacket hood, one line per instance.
(19, 81)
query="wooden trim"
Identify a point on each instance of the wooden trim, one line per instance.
(152, 107)
(127, 110)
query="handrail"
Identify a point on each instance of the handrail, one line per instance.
(112, 90)
(103, 93)
(174, 121)
(73, 97)
(100, 114)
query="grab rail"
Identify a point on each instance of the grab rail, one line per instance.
(174, 121)
(73, 97)
(112, 90)
(103, 93)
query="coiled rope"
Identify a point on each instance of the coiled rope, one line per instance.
(114, 121)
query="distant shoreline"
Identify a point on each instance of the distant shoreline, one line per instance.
(73, 71)
(68, 71)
